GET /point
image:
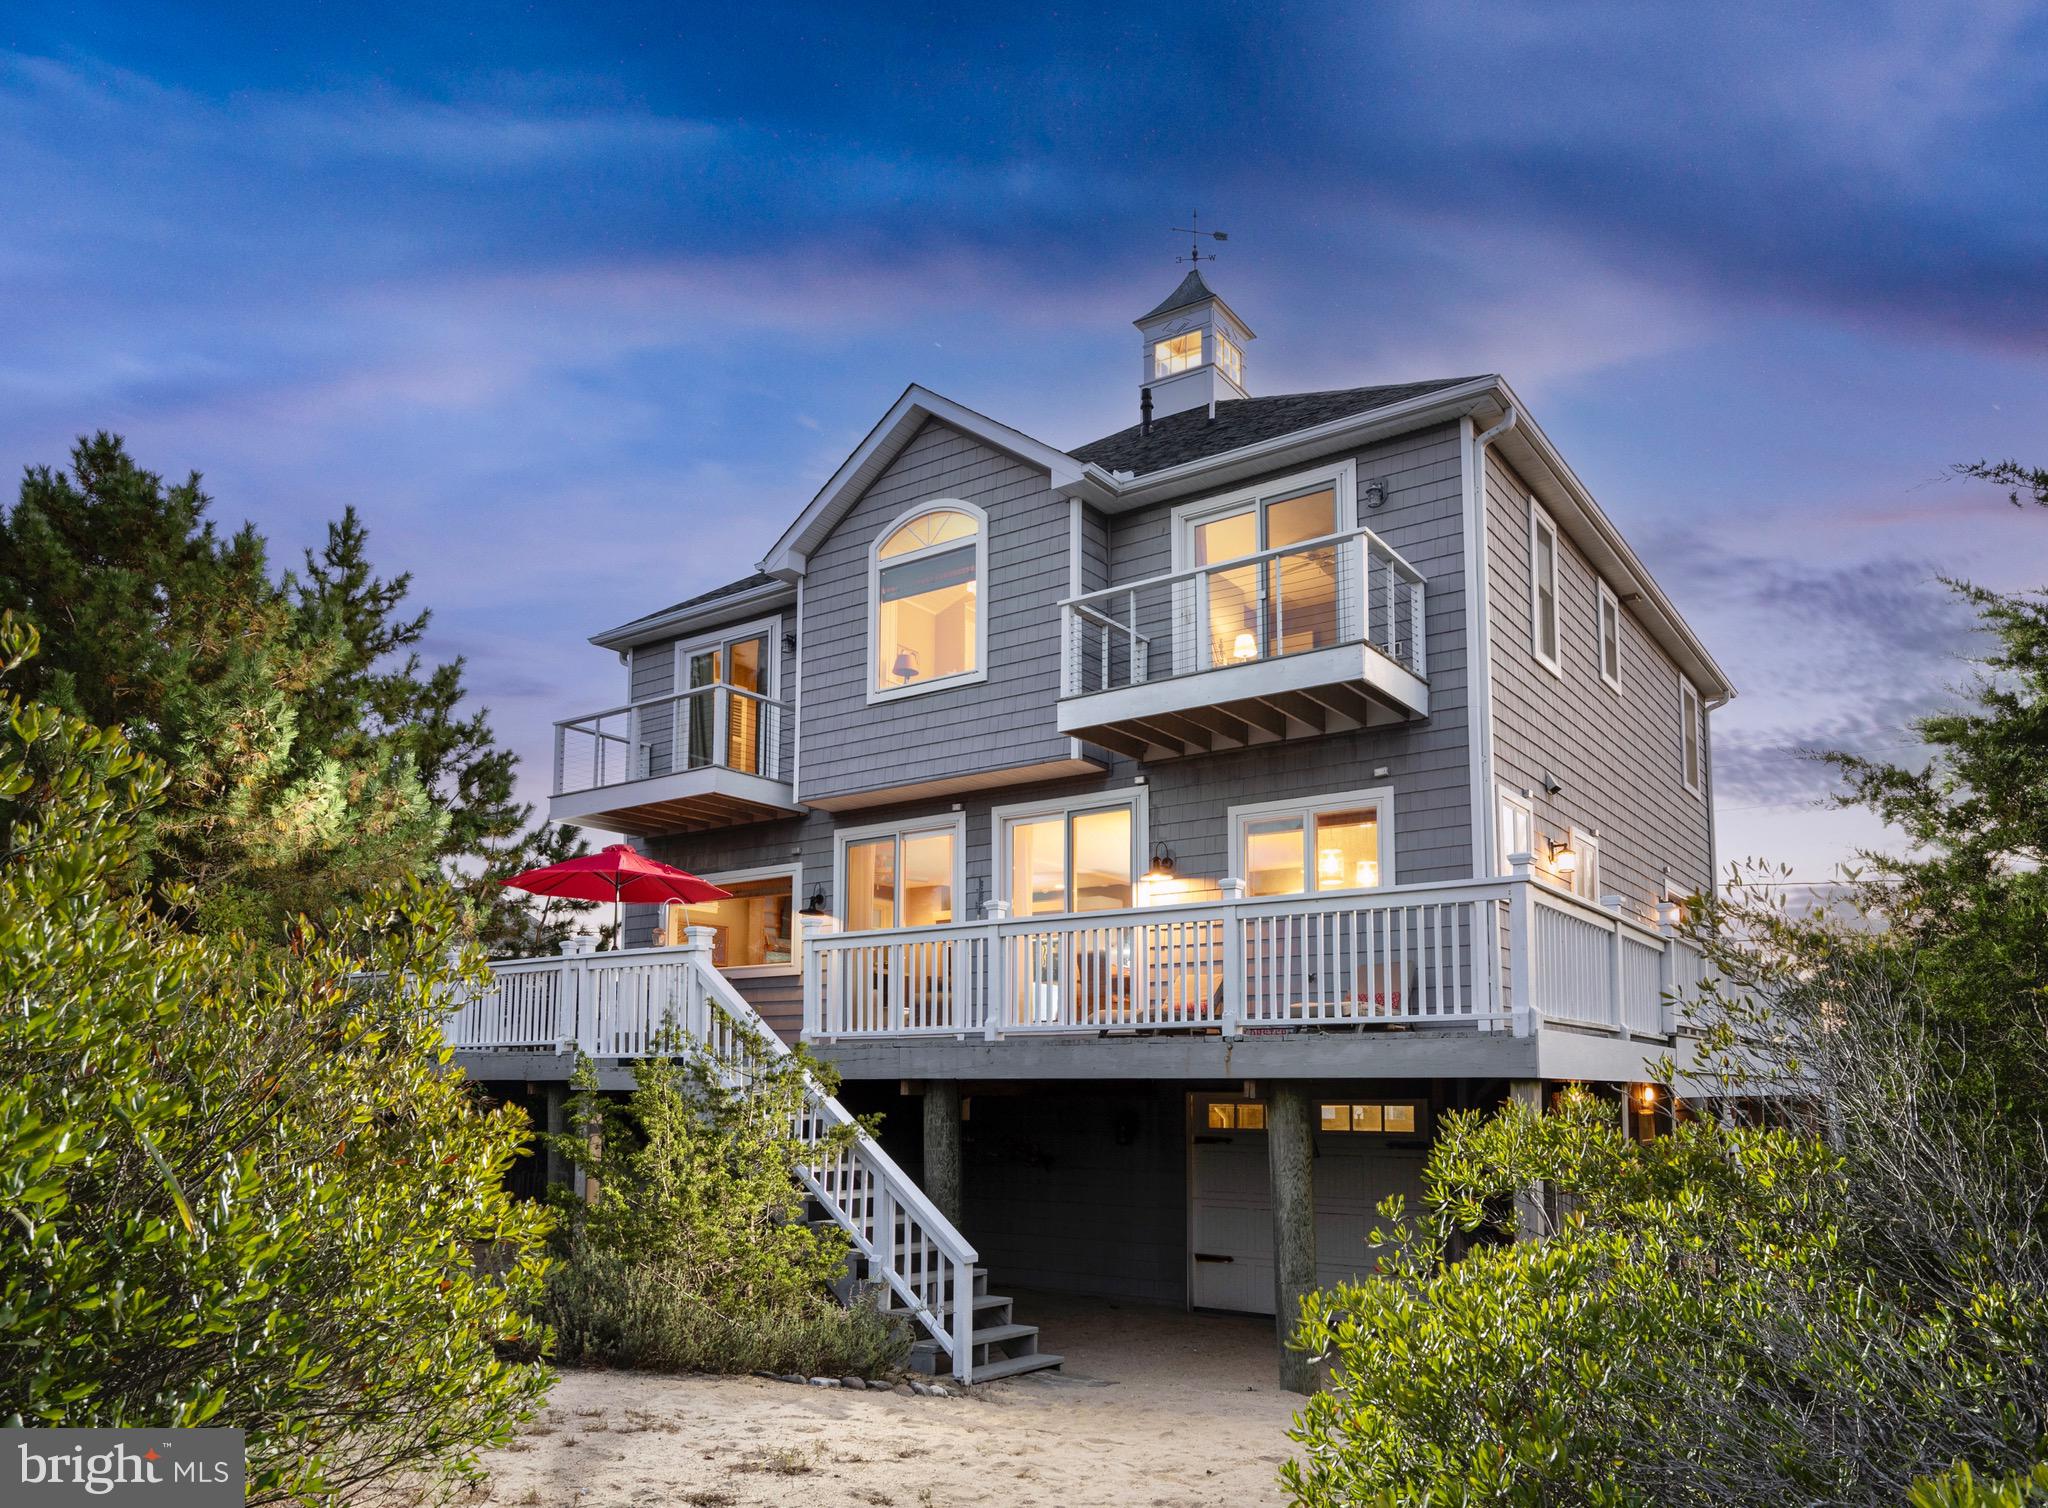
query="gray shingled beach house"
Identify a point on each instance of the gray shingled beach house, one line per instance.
(1162, 832)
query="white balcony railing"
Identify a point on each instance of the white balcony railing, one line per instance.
(1349, 588)
(1445, 955)
(722, 727)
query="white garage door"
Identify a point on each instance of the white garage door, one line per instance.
(1231, 1212)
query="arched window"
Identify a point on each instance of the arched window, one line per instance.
(926, 626)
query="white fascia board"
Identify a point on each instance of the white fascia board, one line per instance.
(787, 556)
(1567, 499)
(697, 615)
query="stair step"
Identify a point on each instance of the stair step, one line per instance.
(996, 1335)
(1011, 1366)
(981, 1301)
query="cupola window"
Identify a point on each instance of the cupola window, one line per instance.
(1180, 353)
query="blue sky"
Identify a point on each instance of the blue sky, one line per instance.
(579, 303)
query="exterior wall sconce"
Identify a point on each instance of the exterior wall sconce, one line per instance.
(1646, 1096)
(816, 905)
(1375, 494)
(1162, 863)
(1564, 859)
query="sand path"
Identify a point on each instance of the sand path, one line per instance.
(1155, 1408)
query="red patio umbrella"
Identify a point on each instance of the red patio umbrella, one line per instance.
(617, 875)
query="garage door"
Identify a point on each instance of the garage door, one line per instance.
(1230, 1228)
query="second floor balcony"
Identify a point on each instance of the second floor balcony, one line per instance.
(704, 758)
(1322, 636)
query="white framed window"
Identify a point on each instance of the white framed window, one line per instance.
(1609, 646)
(1517, 827)
(1177, 354)
(901, 874)
(1083, 853)
(1233, 615)
(752, 933)
(736, 730)
(1320, 844)
(927, 622)
(1229, 358)
(1584, 880)
(1543, 610)
(1690, 763)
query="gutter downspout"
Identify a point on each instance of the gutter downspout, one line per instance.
(1479, 650)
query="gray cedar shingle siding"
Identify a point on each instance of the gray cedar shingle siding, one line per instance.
(851, 746)
(1616, 756)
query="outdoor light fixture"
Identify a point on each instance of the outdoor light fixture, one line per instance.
(1162, 863)
(816, 906)
(1563, 857)
(1647, 1096)
(1375, 494)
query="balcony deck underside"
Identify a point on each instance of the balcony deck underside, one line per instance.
(1334, 690)
(681, 802)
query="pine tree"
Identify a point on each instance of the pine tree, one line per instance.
(313, 754)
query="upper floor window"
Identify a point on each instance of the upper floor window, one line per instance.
(1610, 637)
(1342, 842)
(1543, 586)
(1177, 354)
(1689, 762)
(926, 627)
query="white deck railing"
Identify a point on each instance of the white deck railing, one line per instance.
(616, 1005)
(1409, 955)
(1349, 588)
(726, 727)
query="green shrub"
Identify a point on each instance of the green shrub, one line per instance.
(695, 1254)
(240, 1185)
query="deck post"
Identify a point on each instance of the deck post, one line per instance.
(555, 1167)
(816, 964)
(1290, 1153)
(1667, 967)
(1232, 1024)
(1522, 943)
(1531, 1200)
(942, 1146)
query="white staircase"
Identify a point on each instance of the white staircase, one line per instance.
(615, 1005)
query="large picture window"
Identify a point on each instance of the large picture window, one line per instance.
(1079, 857)
(900, 877)
(755, 931)
(1330, 843)
(927, 627)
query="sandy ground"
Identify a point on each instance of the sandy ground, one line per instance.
(1153, 1407)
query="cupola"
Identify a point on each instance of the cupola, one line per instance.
(1193, 347)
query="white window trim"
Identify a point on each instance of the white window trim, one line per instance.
(769, 628)
(1538, 519)
(953, 822)
(1136, 797)
(1520, 800)
(794, 873)
(1607, 601)
(1587, 846)
(1186, 515)
(981, 609)
(1380, 798)
(1688, 696)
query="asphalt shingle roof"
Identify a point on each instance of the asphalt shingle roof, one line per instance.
(1192, 290)
(744, 584)
(1190, 436)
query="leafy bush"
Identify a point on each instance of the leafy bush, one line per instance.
(694, 1254)
(241, 1185)
(1959, 1488)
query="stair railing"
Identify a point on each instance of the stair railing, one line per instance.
(926, 1262)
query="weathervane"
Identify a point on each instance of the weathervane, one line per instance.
(1194, 228)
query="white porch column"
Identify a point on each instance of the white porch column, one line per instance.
(1522, 943)
(816, 972)
(1233, 890)
(1531, 1200)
